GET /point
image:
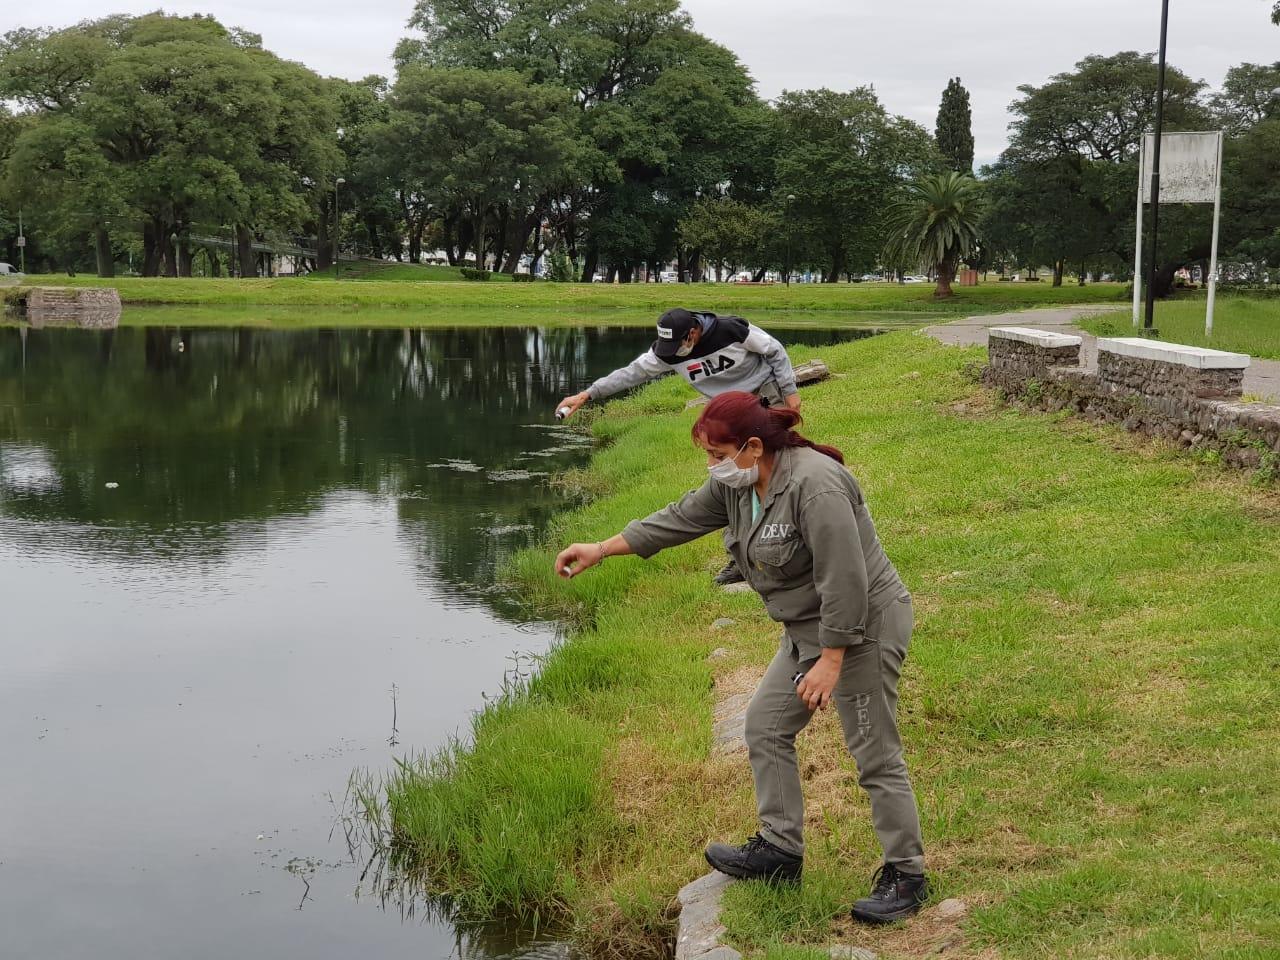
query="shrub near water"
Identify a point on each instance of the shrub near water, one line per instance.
(494, 826)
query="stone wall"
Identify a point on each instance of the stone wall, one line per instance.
(93, 307)
(1192, 400)
(1175, 383)
(1027, 358)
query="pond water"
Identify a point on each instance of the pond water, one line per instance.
(236, 565)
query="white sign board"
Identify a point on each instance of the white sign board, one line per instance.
(1188, 167)
(1190, 172)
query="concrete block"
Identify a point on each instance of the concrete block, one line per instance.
(1198, 358)
(843, 951)
(1046, 339)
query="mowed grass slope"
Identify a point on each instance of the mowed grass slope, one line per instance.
(635, 302)
(1240, 324)
(1091, 706)
(365, 270)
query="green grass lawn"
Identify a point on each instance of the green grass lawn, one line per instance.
(400, 272)
(1091, 706)
(1240, 324)
(624, 303)
(296, 317)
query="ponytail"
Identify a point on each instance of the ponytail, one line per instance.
(735, 417)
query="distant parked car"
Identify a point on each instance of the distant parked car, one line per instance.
(913, 279)
(9, 270)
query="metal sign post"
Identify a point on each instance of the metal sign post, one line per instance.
(1212, 279)
(1137, 255)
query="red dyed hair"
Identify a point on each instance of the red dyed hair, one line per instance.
(735, 417)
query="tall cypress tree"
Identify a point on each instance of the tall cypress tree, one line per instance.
(955, 128)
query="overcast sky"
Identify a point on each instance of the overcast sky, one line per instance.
(906, 48)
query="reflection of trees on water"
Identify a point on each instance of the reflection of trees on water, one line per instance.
(211, 431)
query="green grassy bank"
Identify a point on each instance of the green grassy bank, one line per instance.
(1091, 706)
(295, 317)
(365, 270)
(635, 302)
(1240, 324)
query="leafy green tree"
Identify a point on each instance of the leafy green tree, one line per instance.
(661, 110)
(560, 269)
(673, 141)
(730, 231)
(954, 131)
(843, 157)
(1251, 194)
(481, 137)
(1068, 175)
(70, 186)
(196, 128)
(377, 227)
(936, 222)
(1101, 109)
(1250, 95)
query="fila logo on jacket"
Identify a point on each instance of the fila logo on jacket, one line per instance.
(730, 356)
(710, 366)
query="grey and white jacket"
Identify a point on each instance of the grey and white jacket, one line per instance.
(731, 355)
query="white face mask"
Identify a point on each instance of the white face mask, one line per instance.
(732, 475)
(684, 349)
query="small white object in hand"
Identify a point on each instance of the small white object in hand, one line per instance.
(567, 571)
(111, 485)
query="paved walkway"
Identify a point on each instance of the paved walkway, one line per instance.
(1262, 379)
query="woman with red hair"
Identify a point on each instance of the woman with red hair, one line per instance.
(798, 526)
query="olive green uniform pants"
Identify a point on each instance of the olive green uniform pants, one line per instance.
(866, 697)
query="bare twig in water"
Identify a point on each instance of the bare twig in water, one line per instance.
(306, 891)
(394, 739)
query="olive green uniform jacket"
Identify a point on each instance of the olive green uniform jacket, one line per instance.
(813, 554)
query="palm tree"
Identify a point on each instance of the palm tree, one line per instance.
(935, 223)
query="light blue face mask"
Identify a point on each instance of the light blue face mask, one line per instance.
(730, 474)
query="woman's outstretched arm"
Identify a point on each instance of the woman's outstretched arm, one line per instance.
(697, 513)
(576, 557)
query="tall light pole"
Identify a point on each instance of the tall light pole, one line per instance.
(1148, 324)
(791, 198)
(336, 220)
(336, 184)
(22, 246)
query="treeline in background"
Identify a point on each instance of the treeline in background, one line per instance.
(588, 138)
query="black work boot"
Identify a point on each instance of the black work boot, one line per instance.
(730, 574)
(757, 859)
(894, 896)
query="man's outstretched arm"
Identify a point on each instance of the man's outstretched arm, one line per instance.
(642, 369)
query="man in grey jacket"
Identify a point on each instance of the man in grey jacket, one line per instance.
(713, 354)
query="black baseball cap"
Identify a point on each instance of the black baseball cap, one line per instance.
(673, 327)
